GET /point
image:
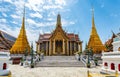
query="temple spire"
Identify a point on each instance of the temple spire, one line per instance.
(94, 40)
(21, 43)
(93, 32)
(58, 20)
(23, 22)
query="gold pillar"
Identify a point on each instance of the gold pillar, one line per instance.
(77, 46)
(74, 47)
(63, 47)
(80, 49)
(50, 47)
(70, 48)
(39, 47)
(67, 48)
(54, 46)
(46, 48)
(80, 46)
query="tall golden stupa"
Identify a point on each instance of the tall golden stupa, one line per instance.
(94, 40)
(21, 44)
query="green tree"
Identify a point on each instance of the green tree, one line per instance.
(32, 55)
(26, 53)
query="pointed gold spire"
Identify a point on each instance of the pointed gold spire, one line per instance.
(21, 43)
(94, 31)
(58, 20)
(94, 40)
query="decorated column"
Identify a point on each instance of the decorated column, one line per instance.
(46, 48)
(50, 48)
(54, 46)
(67, 47)
(63, 47)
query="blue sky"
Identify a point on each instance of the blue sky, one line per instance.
(76, 17)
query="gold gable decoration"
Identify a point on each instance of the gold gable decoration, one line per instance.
(94, 40)
(21, 43)
(59, 33)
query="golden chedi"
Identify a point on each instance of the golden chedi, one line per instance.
(21, 44)
(94, 40)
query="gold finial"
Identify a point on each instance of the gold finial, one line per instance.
(24, 11)
(58, 20)
(23, 19)
(93, 24)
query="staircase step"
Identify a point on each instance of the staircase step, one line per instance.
(60, 61)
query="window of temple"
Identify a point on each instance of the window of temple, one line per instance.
(112, 66)
(119, 67)
(119, 49)
(4, 66)
(105, 64)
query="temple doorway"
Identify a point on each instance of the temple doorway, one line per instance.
(58, 47)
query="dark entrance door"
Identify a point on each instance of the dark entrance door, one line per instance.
(58, 47)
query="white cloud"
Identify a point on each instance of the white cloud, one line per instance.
(61, 2)
(4, 9)
(19, 3)
(113, 15)
(14, 22)
(36, 15)
(15, 16)
(30, 21)
(67, 23)
(35, 4)
(72, 22)
(10, 1)
(2, 20)
(47, 7)
(50, 19)
(51, 14)
(40, 24)
(4, 14)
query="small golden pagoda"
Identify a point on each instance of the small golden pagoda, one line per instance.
(94, 40)
(21, 44)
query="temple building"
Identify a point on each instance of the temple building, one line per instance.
(21, 44)
(111, 59)
(94, 40)
(6, 41)
(59, 42)
(108, 43)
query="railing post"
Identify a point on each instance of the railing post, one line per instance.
(88, 73)
(116, 73)
(9, 74)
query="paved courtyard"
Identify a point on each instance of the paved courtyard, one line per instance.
(20, 71)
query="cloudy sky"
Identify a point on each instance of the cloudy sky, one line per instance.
(76, 17)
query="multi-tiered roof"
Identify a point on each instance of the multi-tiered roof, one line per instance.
(21, 44)
(94, 40)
